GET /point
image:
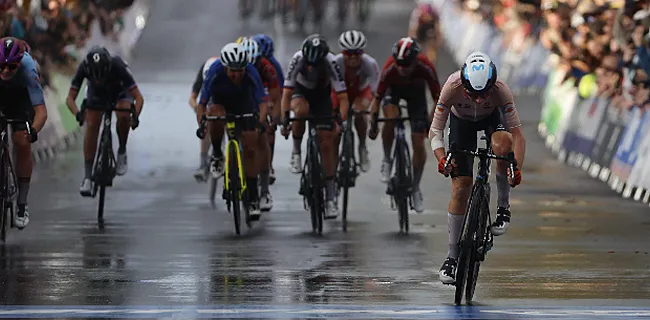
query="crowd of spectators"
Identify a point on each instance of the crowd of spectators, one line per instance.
(55, 28)
(601, 42)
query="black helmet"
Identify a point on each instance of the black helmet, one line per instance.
(315, 48)
(98, 63)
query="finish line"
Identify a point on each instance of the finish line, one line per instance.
(322, 311)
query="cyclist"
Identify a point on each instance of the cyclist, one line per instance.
(267, 48)
(425, 27)
(110, 81)
(477, 100)
(313, 72)
(270, 79)
(22, 95)
(233, 86)
(361, 76)
(201, 174)
(405, 75)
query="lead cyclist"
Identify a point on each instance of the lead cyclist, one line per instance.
(476, 101)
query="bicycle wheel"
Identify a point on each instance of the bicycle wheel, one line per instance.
(104, 174)
(346, 174)
(480, 244)
(3, 200)
(213, 189)
(466, 243)
(234, 185)
(401, 183)
(317, 188)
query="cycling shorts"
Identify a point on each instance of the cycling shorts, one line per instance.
(237, 104)
(16, 104)
(320, 103)
(416, 99)
(463, 134)
(98, 101)
(365, 94)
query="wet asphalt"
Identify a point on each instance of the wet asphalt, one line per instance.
(573, 244)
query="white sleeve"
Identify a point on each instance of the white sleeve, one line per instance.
(372, 72)
(292, 71)
(336, 74)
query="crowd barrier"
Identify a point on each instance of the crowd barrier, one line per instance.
(61, 129)
(610, 144)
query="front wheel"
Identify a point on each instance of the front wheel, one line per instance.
(234, 186)
(346, 174)
(467, 243)
(316, 184)
(401, 184)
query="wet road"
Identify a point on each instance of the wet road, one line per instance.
(572, 243)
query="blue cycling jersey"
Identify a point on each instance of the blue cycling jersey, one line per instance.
(27, 77)
(218, 85)
(278, 70)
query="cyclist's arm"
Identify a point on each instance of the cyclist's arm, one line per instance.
(382, 85)
(77, 81)
(206, 91)
(432, 77)
(35, 94)
(273, 83)
(129, 82)
(440, 116)
(196, 88)
(511, 116)
(289, 83)
(260, 94)
(338, 84)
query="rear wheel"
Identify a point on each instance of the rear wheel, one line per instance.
(235, 186)
(103, 177)
(399, 187)
(317, 189)
(467, 243)
(346, 174)
(3, 201)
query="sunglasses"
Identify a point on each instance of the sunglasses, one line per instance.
(11, 66)
(353, 52)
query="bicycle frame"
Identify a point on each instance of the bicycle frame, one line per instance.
(233, 142)
(8, 189)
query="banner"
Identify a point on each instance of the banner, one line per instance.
(626, 153)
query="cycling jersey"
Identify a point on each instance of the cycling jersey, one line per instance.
(26, 84)
(367, 75)
(424, 23)
(267, 73)
(316, 77)
(116, 85)
(242, 98)
(278, 70)
(198, 81)
(454, 98)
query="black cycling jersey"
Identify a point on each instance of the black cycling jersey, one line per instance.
(118, 81)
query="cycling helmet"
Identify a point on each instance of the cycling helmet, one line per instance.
(240, 40)
(97, 63)
(252, 50)
(405, 51)
(352, 40)
(12, 51)
(315, 49)
(233, 56)
(478, 74)
(266, 44)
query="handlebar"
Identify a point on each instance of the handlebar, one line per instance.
(200, 132)
(5, 120)
(288, 119)
(135, 121)
(485, 154)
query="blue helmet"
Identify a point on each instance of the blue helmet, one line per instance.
(266, 44)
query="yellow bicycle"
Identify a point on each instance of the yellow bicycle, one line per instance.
(234, 187)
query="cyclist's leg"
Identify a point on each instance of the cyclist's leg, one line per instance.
(275, 114)
(20, 108)
(417, 105)
(93, 123)
(264, 159)
(502, 144)
(388, 131)
(361, 103)
(300, 107)
(123, 126)
(250, 140)
(321, 105)
(217, 131)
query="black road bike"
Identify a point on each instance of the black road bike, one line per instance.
(476, 239)
(234, 187)
(347, 172)
(104, 166)
(400, 186)
(312, 181)
(9, 187)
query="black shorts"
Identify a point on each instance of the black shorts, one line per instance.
(238, 104)
(416, 98)
(462, 133)
(320, 103)
(99, 102)
(17, 104)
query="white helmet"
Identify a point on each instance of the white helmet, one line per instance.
(478, 74)
(207, 66)
(233, 56)
(352, 40)
(252, 50)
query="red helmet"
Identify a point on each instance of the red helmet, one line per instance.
(405, 51)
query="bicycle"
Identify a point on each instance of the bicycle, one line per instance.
(234, 186)
(475, 239)
(400, 186)
(104, 165)
(8, 189)
(347, 172)
(312, 182)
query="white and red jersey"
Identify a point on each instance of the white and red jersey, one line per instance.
(454, 98)
(366, 76)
